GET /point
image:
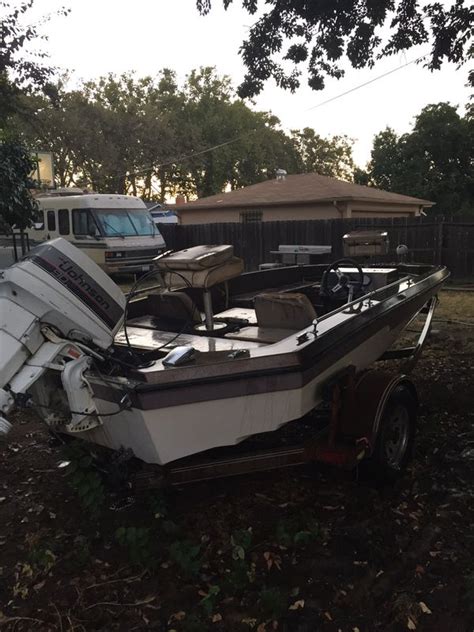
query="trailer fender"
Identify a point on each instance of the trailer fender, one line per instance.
(372, 392)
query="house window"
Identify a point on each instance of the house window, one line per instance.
(63, 221)
(51, 220)
(251, 216)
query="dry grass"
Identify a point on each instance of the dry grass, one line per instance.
(456, 306)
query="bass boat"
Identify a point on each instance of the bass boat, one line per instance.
(211, 356)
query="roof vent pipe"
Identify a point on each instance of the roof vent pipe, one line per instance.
(280, 175)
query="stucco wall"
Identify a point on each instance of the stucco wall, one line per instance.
(270, 213)
(298, 212)
(367, 209)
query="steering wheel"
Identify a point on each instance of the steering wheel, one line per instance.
(344, 287)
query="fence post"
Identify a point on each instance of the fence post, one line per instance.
(15, 249)
(22, 243)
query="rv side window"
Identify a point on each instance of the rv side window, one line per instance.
(83, 223)
(63, 221)
(51, 219)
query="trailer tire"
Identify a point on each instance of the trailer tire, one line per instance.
(394, 443)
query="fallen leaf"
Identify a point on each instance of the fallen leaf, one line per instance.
(328, 616)
(411, 625)
(216, 618)
(297, 605)
(250, 622)
(272, 559)
(177, 616)
(424, 608)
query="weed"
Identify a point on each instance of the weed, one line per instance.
(85, 480)
(469, 594)
(137, 541)
(241, 541)
(272, 603)
(81, 553)
(186, 555)
(170, 528)
(208, 602)
(241, 574)
(157, 506)
(193, 623)
(297, 531)
(41, 559)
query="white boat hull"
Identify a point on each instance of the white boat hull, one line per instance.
(167, 434)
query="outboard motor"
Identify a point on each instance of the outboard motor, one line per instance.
(58, 310)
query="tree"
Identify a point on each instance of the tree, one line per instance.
(322, 34)
(435, 161)
(16, 204)
(387, 170)
(249, 146)
(326, 156)
(151, 137)
(21, 69)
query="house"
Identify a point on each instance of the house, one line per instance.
(299, 197)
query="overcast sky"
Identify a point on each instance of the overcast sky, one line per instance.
(101, 36)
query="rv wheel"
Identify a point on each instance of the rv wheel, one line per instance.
(394, 443)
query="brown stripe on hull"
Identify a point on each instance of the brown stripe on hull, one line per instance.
(313, 360)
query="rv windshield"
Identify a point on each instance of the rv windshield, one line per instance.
(124, 222)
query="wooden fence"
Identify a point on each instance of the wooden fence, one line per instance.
(434, 240)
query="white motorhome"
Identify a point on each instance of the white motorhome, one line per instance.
(116, 231)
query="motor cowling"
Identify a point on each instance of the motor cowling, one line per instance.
(53, 295)
(60, 286)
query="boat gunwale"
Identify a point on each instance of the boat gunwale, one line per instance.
(297, 361)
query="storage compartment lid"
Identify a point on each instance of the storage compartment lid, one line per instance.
(365, 242)
(196, 258)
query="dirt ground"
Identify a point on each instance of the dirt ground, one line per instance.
(299, 550)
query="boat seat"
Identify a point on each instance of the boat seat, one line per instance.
(201, 267)
(196, 258)
(292, 311)
(174, 307)
(204, 278)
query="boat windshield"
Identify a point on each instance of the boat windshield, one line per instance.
(125, 222)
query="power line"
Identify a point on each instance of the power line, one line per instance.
(366, 83)
(237, 138)
(178, 159)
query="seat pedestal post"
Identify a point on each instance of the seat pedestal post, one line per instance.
(209, 324)
(208, 315)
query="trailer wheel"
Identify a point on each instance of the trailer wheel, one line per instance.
(395, 437)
